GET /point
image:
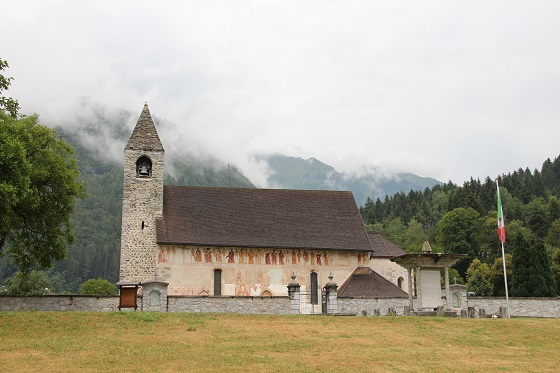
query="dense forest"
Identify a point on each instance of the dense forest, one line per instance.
(463, 219)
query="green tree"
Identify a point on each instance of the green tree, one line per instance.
(99, 287)
(31, 283)
(553, 236)
(531, 271)
(414, 236)
(497, 275)
(460, 231)
(7, 104)
(454, 277)
(537, 217)
(490, 245)
(478, 278)
(553, 209)
(38, 188)
(395, 230)
(555, 266)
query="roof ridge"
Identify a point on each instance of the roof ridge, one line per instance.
(263, 189)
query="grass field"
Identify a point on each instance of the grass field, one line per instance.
(151, 342)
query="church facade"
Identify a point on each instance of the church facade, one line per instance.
(239, 241)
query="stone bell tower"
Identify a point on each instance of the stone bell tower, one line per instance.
(142, 200)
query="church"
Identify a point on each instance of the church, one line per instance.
(244, 241)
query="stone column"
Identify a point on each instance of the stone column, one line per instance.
(447, 294)
(332, 296)
(294, 295)
(410, 291)
(418, 285)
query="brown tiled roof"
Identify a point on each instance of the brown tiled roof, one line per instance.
(364, 282)
(261, 218)
(144, 136)
(383, 247)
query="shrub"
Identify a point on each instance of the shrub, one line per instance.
(32, 283)
(99, 287)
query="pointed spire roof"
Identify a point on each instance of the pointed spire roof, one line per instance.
(144, 136)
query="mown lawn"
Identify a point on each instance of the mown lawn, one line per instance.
(152, 342)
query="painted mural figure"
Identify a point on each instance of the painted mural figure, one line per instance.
(197, 255)
(161, 256)
(218, 256)
(319, 259)
(231, 256)
(251, 256)
(241, 256)
(274, 261)
(306, 257)
(207, 256)
(326, 259)
(281, 257)
(294, 260)
(267, 258)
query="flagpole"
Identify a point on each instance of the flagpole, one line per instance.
(500, 213)
(505, 281)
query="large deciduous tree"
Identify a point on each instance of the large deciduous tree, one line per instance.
(460, 231)
(38, 188)
(7, 104)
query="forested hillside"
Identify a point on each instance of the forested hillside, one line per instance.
(97, 219)
(463, 219)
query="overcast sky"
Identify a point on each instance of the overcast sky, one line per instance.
(446, 89)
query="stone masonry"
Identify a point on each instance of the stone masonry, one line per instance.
(142, 202)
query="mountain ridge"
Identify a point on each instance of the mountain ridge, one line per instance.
(299, 173)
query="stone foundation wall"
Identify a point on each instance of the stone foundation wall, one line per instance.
(518, 307)
(372, 306)
(59, 303)
(248, 305)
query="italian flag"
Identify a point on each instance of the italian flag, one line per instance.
(501, 225)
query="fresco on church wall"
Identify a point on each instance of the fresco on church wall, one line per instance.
(252, 272)
(173, 254)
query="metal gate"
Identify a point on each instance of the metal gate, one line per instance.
(305, 305)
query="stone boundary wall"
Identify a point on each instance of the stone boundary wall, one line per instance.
(59, 303)
(518, 307)
(372, 306)
(247, 305)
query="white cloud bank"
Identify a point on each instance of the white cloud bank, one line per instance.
(447, 89)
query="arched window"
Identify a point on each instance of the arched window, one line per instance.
(314, 288)
(155, 297)
(266, 293)
(456, 300)
(400, 282)
(217, 282)
(143, 167)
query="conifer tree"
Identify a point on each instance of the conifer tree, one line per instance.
(531, 272)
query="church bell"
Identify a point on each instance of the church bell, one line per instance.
(143, 171)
